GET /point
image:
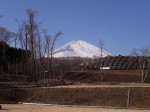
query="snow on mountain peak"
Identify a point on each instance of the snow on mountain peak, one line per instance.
(78, 48)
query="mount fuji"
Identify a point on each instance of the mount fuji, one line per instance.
(79, 48)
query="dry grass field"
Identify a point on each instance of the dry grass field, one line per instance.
(115, 76)
(37, 108)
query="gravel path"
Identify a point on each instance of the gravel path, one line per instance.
(102, 86)
(39, 108)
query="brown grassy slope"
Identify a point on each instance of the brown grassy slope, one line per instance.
(16, 95)
(120, 76)
(82, 96)
(140, 97)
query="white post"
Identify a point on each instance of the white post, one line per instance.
(128, 98)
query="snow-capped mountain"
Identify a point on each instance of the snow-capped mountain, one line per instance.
(79, 48)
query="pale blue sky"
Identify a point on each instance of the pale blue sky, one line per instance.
(121, 24)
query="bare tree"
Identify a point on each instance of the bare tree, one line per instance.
(101, 45)
(47, 50)
(15, 39)
(32, 31)
(23, 37)
(52, 48)
(144, 60)
(29, 38)
(41, 54)
(5, 35)
(49, 47)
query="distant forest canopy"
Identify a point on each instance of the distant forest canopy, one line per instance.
(12, 54)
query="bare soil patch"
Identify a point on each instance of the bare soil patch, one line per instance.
(117, 76)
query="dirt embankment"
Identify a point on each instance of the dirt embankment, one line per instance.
(97, 96)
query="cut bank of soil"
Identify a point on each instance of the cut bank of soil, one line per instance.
(98, 96)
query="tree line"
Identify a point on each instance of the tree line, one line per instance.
(35, 44)
(31, 58)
